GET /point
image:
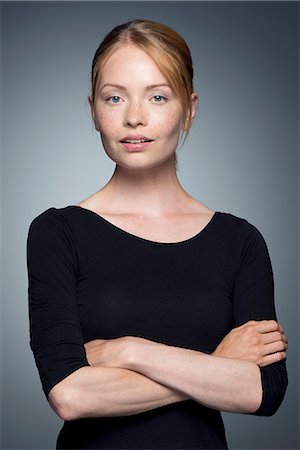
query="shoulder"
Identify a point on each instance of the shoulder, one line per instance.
(53, 223)
(55, 216)
(246, 243)
(237, 225)
(53, 239)
(242, 234)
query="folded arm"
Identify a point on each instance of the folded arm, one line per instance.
(103, 392)
(154, 375)
(140, 375)
(219, 383)
(228, 380)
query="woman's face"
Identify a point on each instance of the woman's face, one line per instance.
(135, 111)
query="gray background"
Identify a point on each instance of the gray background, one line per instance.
(241, 157)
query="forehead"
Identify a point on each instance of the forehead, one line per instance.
(130, 64)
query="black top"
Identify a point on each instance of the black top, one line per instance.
(89, 279)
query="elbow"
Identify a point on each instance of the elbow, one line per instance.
(255, 400)
(62, 400)
(251, 395)
(270, 403)
(274, 381)
(251, 401)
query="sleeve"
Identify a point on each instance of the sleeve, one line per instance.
(253, 299)
(55, 333)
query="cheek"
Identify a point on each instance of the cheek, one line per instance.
(172, 122)
(106, 123)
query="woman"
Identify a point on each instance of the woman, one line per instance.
(150, 312)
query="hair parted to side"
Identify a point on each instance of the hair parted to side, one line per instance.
(164, 45)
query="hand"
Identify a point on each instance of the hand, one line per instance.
(262, 342)
(111, 352)
(101, 352)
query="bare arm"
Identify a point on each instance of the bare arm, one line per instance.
(102, 391)
(231, 381)
(220, 383)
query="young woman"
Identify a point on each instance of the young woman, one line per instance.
(150, 313)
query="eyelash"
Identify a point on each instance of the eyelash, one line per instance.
(164, 99)
(161, 98)
(108, 99)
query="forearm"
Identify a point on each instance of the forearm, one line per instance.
(219, 383)
(100, 391)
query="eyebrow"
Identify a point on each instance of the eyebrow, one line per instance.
(123, 88)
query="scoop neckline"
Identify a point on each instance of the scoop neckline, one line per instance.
(149, 241)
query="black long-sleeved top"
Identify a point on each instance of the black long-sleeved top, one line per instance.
(88, 279)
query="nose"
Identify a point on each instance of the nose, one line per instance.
(135, 114)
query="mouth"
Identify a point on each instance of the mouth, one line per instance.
(135, 143)
(135, 139)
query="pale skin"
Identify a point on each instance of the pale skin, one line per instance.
(144, 197)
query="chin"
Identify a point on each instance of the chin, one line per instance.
(142, 164)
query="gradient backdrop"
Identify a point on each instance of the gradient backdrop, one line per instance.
(241, 157)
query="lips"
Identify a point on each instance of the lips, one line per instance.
(135, 143)
(135, 139)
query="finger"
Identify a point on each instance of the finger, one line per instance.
(267, 326)
(272, 336)
(275, 347)
(280, 328)
(271, 359)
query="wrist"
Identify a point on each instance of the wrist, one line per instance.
(136, 353)
(130, 355)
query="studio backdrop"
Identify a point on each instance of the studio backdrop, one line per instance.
(241, 157)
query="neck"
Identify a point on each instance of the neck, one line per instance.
(156, 191)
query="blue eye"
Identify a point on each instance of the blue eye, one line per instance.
(159, 98)
(115, 99)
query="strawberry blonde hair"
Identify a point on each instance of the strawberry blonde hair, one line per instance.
(164, 45)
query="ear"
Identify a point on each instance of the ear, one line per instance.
(192, 111)
(194, 103)
(92, 110)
